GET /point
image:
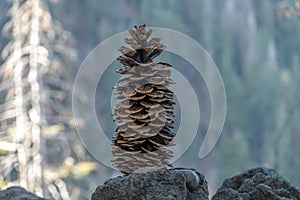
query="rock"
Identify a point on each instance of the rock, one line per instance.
(17, 193)
(162, 184)
(256, 184)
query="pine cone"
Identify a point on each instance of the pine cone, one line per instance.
(145, 108)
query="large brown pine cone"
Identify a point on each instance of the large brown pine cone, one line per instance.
(145, 108)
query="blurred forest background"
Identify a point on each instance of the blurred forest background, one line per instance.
(255, 44)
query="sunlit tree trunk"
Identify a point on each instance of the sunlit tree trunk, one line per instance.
(35, 181)
(20, 119)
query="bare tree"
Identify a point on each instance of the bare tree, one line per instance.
(34, 92)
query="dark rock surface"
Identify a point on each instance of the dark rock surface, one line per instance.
(183, 184)
(17, 193)
(257, 184)
(162, 184)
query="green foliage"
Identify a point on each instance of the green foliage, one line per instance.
(236, 154)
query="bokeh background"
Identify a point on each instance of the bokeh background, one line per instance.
(254, 43)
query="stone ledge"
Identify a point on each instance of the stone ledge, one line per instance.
(162, 184)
